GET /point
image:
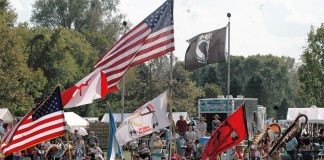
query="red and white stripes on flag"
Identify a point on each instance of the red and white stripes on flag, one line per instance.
(135, 49)
(42, 123)
(151, 38)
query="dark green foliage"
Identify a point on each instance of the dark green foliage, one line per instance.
(311, 72)
(20, 85)
(89, 15)
(268, 78)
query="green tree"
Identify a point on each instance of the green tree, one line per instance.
(212, 90)
(269, 78)
(236, 87)
(311, 71)
(256, 89)
(64, 55)
(283, 109)
(184, 91)
(88, 15)
(19, 85)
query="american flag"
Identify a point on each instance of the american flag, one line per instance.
(151, 38)
(44, 122)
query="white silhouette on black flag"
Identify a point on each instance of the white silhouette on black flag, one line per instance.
(206, 48)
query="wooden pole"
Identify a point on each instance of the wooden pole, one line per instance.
(68, 145)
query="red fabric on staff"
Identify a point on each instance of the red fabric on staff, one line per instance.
(231, 132)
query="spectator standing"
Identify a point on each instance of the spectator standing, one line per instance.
(74, 136)
(291, 148)
(153, 138)
(157, 149)
(92, 139)
(201, 127)
(96, 151)
(51, 152)
(181, 126)
(45, 145)
(17, 155)
(9, 126)
(30, 152)
(191, 136)
(198, 149)
(61, 149)
(143, 151)
(79, 149)
(216, 123)
(321, 136)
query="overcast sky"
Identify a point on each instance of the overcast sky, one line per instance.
(278, 27)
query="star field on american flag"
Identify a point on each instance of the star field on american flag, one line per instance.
(161, 17)
(52, 104)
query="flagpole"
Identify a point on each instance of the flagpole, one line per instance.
(171, 129)
(228, 62)
(123, 85)
(228, 70)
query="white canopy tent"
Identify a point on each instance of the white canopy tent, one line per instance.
(117, 116)
(75, 121)
(5, 115)
(314, 114)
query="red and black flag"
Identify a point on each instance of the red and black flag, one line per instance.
(230, 133)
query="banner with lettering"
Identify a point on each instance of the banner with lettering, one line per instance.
(150, 117)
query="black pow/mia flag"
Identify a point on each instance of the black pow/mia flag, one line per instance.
(206, 48)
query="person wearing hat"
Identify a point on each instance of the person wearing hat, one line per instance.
(291, 148)
(51, 152)
(201, 127)
(143, 151)
(216, 122)
(80, 151)
(75, 136)
(153, 138)
(96, 152)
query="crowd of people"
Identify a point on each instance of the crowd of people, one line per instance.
(190, 140)
(300, 146)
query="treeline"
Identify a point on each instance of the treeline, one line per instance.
(269, 78)
(67, 37)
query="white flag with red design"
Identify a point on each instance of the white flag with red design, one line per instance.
(91, 87)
